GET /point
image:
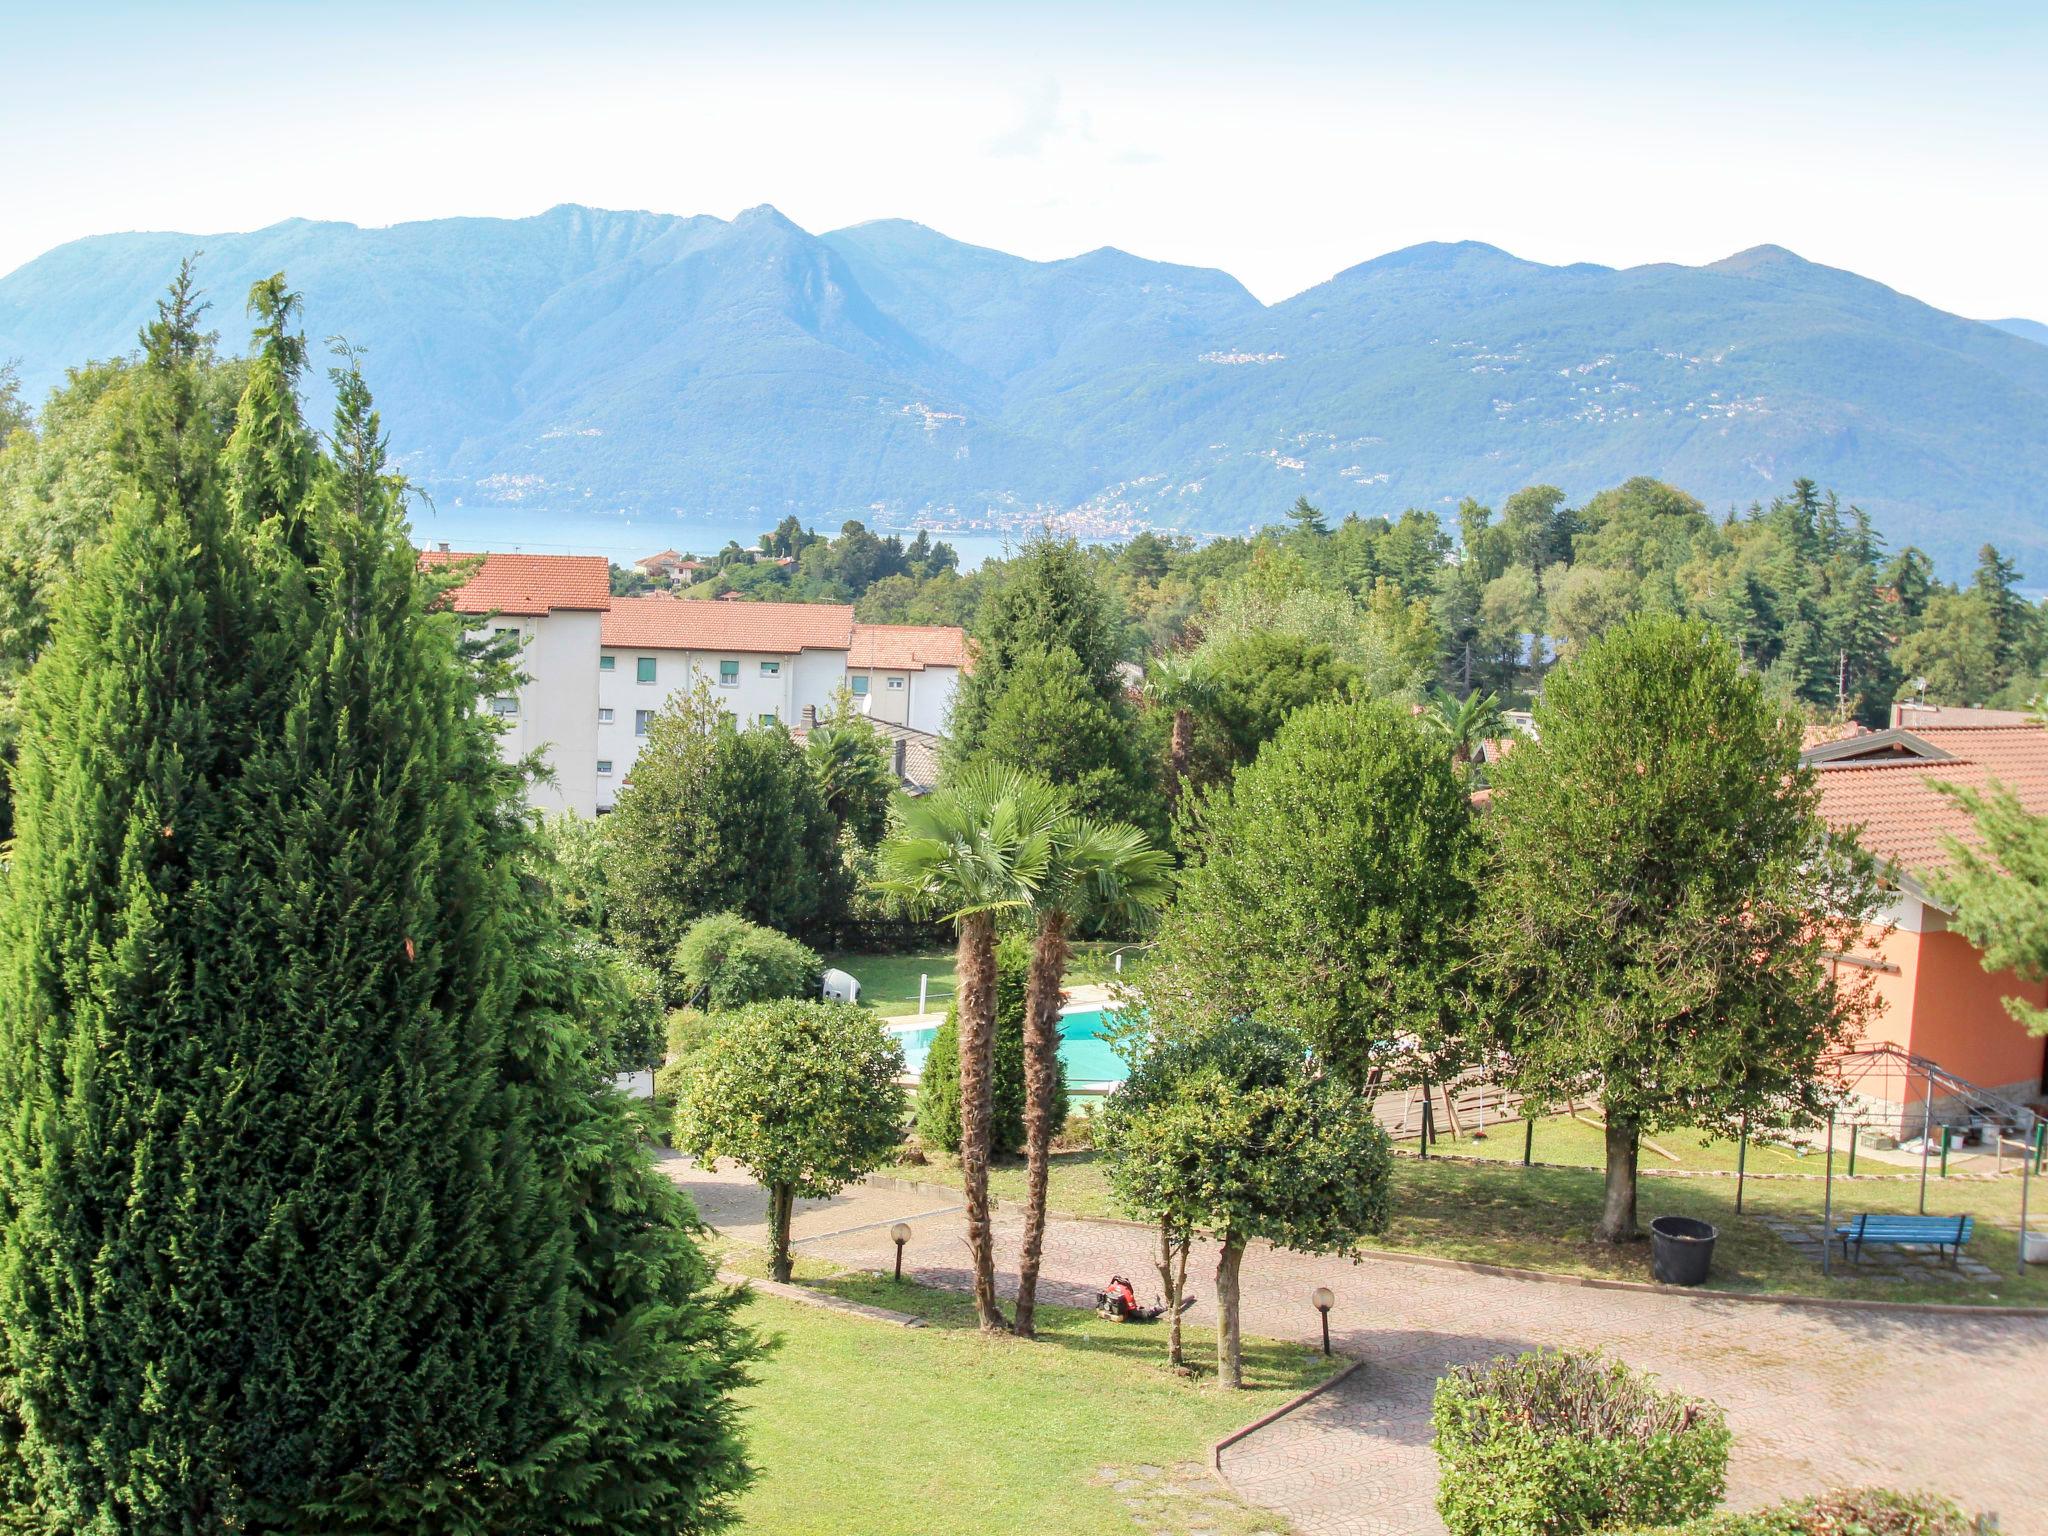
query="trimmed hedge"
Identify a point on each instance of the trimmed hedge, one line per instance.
(1549, 1442)
(938, 1088)
(1850, 1512)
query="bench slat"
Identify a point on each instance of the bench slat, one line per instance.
(1908, 1229)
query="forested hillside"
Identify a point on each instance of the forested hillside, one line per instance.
(585, 360)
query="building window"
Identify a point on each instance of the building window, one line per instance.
(771, 669)
(895, 685)
(512, 632)
(607, 663)
(645, 670)
(860, 686)
(642, 718)
(604, 767)
(604, 717)
(504, 704)
(769, 718)
(728, 674)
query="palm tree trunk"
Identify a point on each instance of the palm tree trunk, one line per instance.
(1041, 1088)
(975, 999)
(1618, 1218)
(1229, 1343)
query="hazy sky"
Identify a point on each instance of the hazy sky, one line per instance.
(1279, 142)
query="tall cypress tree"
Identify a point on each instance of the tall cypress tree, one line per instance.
(314, 1220)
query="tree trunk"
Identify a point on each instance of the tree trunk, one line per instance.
(1172, 1265)
(1618, 1218)
(975, 1002)
(1041, 1088)
(1229, 1350)
(781, 1204)
(1178, 752)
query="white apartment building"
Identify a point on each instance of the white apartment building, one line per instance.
(601, 667)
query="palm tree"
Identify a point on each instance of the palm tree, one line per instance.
(1463, 725)
(1102, 872)
(1176, 681)
(981, 845)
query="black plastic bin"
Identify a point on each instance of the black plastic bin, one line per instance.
(1681, 1249)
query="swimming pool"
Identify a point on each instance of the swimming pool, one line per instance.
(1084, 1054)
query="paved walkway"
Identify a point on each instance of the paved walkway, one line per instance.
(1817, 1397)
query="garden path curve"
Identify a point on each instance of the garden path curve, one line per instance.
(1817, 1396)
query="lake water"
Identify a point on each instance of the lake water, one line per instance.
(623, 537)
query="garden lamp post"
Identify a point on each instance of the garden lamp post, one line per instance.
(901, 1233)
(1324, 1298)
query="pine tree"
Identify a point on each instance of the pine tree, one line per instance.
(312, 1220)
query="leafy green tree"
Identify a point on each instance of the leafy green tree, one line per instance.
(1910, 577)
(1232, 1132)
(1102, 873)
(1998, 889)
(978, 848)
(1330, 890)
(1663, 897)
(724, 962)
(718, 819)
(1051, 722)
(15, 415)
(1642, 526)
(1307, 519)
(802, 1094)
(1996, 582)
(1585, 601)
(1255, 681)
(1952, 656)
(300, 1052)
(1538, 527)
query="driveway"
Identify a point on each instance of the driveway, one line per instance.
(1818, 1397)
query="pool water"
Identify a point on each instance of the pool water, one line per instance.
(1084, 1054)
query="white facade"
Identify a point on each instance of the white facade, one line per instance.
(752, 686)
(921, 697)
(599, 669)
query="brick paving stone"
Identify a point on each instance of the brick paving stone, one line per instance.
(1818, 1397)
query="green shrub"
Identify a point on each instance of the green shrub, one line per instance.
(1851, 1512)
(725, 962)
(938, 1088)
(1552, 1442)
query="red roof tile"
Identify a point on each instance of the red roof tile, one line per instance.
(1892, 799)
(676, 624)
(908, 647)
(528, 584)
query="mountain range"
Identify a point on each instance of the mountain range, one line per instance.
(589, 361)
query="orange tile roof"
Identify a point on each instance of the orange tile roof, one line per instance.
(1891, 801)
(528, 584)
(908, 647)
(677, 624)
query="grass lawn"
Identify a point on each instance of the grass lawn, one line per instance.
(888, 983)
(1498, 1212)
(861, 1429)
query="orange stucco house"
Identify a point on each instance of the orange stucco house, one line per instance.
(1940, 1002)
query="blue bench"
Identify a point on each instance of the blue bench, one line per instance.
(1949, 1232)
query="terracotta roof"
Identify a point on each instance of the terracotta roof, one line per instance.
(528, 584)
(1882, 786)
(669, 555)
(908, 647)
(676, 624)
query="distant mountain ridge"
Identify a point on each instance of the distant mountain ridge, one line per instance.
(588, 359)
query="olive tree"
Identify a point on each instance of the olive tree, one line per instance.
(804, 1095)
(1235, 1132)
